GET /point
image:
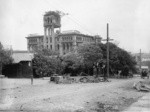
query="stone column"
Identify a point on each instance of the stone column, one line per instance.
(61, 49)
(44, 39)
(28, 44)
(66, 48)
(74, 43)
(38, 43)
(53, 38)
(69, 47)
(49, 37)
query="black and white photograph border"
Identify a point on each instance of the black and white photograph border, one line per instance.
(74, 56)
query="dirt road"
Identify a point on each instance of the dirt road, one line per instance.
(19, 95)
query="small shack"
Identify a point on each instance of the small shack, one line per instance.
(21, 67)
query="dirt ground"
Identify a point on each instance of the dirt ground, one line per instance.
(43, 96)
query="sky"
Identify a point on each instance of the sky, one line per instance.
(129, 20)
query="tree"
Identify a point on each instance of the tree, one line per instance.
(91, 54)
(5, 57)
(72, 62)
(119, 58)
(83, 60)
(46, 63)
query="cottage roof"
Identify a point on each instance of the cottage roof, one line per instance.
(35, 35)
(22, 56)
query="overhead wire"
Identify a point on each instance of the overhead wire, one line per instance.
(75, 20)
(71, 18)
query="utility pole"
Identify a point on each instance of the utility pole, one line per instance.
(107, 40)
(140, 59)
(31, 66)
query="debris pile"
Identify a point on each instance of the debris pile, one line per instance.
(91, 79)
(63, 79)
(142, 86)
(80, 79)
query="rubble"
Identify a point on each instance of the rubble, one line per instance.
(142, 86)
(82, 78)
(63, 79)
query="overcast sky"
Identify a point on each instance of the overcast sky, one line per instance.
(129, 20)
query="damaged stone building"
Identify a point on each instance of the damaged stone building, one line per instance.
(54, 39)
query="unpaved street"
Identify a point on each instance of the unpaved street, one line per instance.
(19, 95)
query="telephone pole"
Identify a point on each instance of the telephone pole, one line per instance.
(107, 42)
(31, 66)
(140, 59)
(107, 50)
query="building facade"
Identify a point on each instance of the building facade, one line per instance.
(61, 42)
(69, 40)
(142, 59)
(21, 66)
(34, 42)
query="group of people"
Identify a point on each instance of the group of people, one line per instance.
(101, 68)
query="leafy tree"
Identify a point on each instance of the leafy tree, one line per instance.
(46, 63)
(83, 59)
(90, 54)
(72, 62)
(5, 57)
(119, 58)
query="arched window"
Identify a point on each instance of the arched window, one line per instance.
(58, 46)
(48, 20)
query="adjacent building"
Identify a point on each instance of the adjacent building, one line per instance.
(53, 39)
(21, 66)
(142, 59)
(34, 41)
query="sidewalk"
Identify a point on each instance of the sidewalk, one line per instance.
(142, 105)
